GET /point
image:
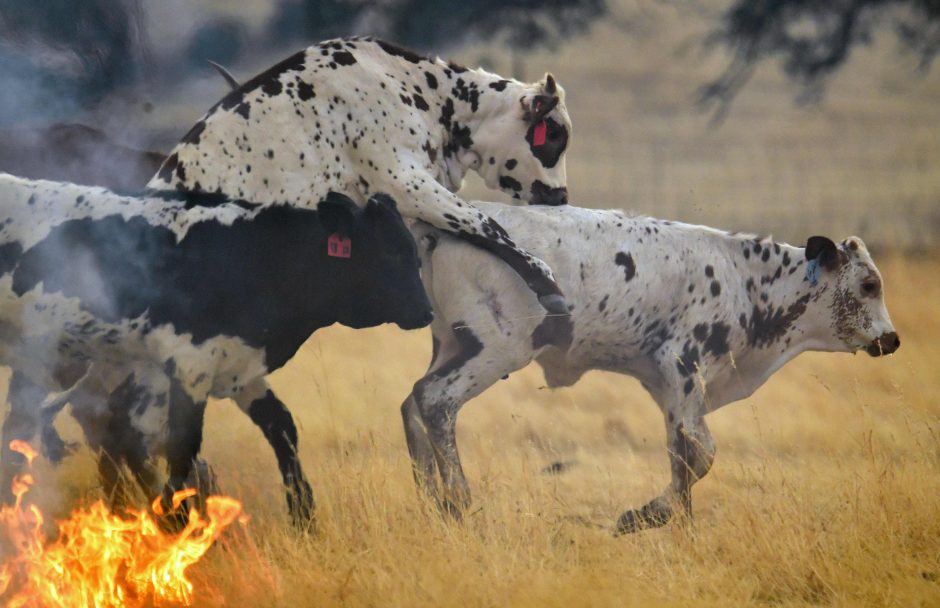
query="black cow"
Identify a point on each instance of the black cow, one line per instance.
(166, 301)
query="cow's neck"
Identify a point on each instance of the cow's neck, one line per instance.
(475, 93)
(466, 99)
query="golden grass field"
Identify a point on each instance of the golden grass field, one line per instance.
(825, 490)
(826, 485)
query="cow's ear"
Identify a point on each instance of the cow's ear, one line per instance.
(550, 88)
(383, 208)
(382, 202)
(824, 251)
(337, 213)
(540, 107)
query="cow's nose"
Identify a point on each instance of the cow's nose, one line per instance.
(419, 320)
(549, 196)
(885, 344)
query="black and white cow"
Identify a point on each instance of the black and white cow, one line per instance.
(701, 317)
(166, 301)
(360, 116)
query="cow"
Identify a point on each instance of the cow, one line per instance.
(165, 301)
(73, 152)
(701, 317)
(361, 115)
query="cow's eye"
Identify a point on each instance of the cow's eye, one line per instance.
(869, 288)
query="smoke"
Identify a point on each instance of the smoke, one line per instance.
(33, 93)
(95, 92)
(78, 154)
(66, 55)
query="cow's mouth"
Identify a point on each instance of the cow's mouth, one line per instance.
(885, 344)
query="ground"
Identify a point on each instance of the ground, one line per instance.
(826, 487)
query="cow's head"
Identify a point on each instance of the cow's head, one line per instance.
(379, 273)
(855, 297)
(521, 146)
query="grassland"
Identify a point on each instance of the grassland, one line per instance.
(826, 488)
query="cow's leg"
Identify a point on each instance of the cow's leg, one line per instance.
(429, 201)
(21, 423)
(112, 481)
(183, 444)
(123, 442)
(54, 448)
(691, 453)
(277, 424)
(424, 465)
(145, 473)
(485, 327)
(439, 395)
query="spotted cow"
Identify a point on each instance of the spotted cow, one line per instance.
(701, 317)
(360, 116)
(162, 302)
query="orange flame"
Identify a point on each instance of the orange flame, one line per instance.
(25, 449)
(101, 559)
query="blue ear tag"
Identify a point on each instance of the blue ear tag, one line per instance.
(812, 272)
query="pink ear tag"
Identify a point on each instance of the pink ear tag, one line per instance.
(338, 246)
(538, 135)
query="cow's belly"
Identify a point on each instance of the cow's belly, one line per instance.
(41, 332)
(220, 366)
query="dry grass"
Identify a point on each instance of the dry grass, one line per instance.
(826, 488)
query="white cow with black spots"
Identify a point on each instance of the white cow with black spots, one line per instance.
(360, 116)
(701, 317)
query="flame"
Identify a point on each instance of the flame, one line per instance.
(101, 559)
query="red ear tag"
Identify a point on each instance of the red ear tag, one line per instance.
(338, 246)
(538, 136)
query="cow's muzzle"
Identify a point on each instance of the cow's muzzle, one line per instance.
(885, 344)
(422, 319)
(543, 195)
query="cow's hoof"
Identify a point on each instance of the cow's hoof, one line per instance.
(173, 522)
(305, 523)
(451, 509)
(642, 519)
(302, 508)
(554, 304)
(56, 450)
(204, 479)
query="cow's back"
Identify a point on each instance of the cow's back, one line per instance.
(598, 252)
(253, 279)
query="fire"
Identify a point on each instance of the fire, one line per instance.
(101, 559)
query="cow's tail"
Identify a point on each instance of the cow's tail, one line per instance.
(54, 402)
(53, 446)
